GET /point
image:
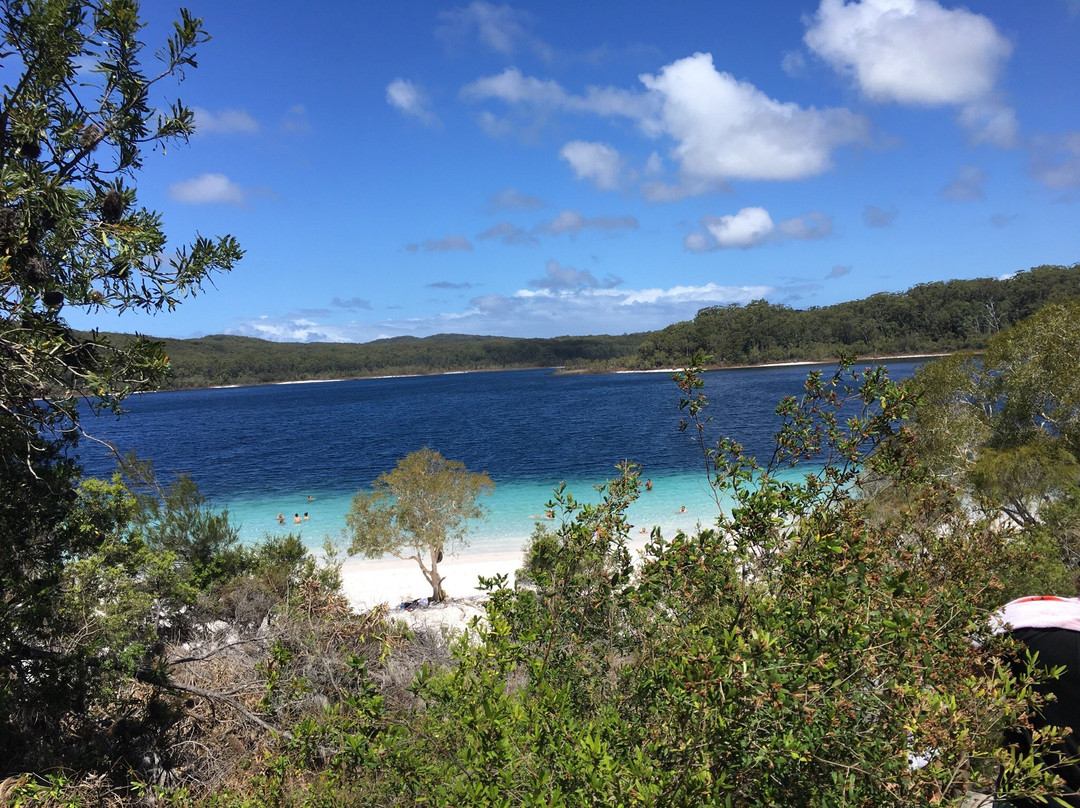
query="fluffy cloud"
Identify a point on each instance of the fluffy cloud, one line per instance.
(753, 226)
(747, 228)
(598, 162)
(546, 95)
(838, 272)
(722, 128)
(572, 222)
(920, 53)
(511, 87)
(966, 184)
(225, 122)
(207, 189)
(728, 129)
(410, 99)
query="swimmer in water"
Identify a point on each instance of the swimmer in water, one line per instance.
(296, 518)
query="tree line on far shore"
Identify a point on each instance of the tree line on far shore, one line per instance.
(937, 317)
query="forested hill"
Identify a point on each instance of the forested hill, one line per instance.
(928, 318)
(221, 360)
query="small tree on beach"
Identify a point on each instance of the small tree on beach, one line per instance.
(420, 511)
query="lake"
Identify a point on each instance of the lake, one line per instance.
(258, 451)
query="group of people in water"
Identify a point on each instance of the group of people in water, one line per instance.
(297, 519)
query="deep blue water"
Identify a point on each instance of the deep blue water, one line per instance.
(263, 450)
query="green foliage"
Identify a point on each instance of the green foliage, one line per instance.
(77, 113)
(808, 651)
(1005, 428)
(74, 122)
(826, 643)
(419, 510)
(218, 360)
(177, 519)
(928, 318)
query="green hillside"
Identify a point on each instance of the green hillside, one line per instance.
(928, 318)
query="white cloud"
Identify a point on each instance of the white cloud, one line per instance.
(838, 271)
(966, 184)
(747, 228)
(598, 162)
(728, 129)
(207, 189)
(574, 307)
(225, 122)
(917, 52)
(722, 128)
(753, 226)
(910, 51)
(511, 87)
(410, 99)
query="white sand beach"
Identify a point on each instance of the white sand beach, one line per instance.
(393, 581)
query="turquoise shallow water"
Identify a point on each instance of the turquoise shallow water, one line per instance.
(260, 451)
(514, 508)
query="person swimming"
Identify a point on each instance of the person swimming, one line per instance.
(296, 518)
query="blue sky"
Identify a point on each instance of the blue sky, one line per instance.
(540, 169)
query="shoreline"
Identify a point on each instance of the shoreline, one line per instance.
(562, 369)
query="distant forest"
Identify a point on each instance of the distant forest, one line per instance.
(928, 318)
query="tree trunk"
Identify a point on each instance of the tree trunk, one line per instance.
(435, 579)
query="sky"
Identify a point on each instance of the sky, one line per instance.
(564, 168)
